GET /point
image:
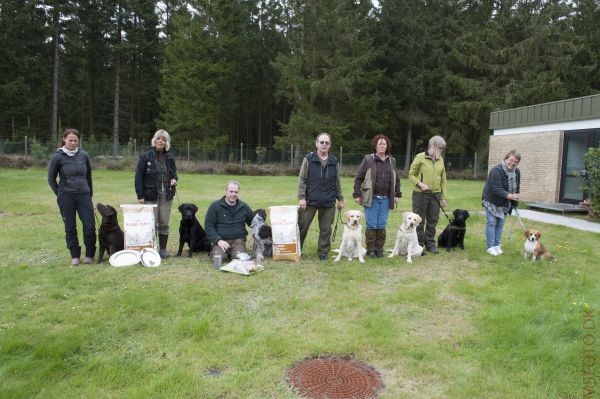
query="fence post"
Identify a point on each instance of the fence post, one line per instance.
(188, 150)
(475, 166)
(135, 147)
(26, 148)
(13, 128)
(341, 155)
(292, 156)
(241, 155)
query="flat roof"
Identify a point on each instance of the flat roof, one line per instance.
(573, 109)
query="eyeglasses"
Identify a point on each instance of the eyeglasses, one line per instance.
(324, 142)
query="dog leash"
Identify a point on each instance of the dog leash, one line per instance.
(441, 207)
(513, 225)
(339, 217)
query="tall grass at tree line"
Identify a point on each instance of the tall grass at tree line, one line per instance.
(457, 325)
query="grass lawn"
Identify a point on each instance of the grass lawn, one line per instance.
(457, 325)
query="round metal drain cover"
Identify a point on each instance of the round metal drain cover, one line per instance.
(327, 377)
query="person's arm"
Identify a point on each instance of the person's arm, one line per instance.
(88, 175)
(302, 178)
(53, 168)
(210, 224)
(174, 177)
(414, 171)
(139, 178)
(359, 179)
(339, 194)
(444, 184)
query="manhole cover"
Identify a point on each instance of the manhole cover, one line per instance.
(327, 377)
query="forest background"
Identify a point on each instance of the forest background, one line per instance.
(273, 73)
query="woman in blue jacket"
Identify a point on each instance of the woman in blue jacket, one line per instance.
(74, 194)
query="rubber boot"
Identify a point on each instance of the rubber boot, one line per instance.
(370, 237)
(379, 242)
(162, 242)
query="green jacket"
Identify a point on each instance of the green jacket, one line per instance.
(424, 169)
(221, 223)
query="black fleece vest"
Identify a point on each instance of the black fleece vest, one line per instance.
(321, 187)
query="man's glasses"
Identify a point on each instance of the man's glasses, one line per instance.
(324, 142)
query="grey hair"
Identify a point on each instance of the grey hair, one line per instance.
(232, 182)
(165, 135)
(513, 153)
(437, 144)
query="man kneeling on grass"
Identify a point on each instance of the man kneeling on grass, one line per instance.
(225, 223)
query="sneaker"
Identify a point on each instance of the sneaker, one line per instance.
(75, 262)
(323, 257)
(492, 251)
(499, 250)
(88, 260)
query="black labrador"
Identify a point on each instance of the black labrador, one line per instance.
(110, 235)
(454, 234)
(191, 232)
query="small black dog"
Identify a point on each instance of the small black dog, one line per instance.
(110, 235)
(454, 234)
(191, 232)
(262, 235)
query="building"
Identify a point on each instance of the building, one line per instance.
(552, 139)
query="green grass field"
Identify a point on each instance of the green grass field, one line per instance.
(457, 325)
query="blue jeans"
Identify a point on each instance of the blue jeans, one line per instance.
(377, 214)
(493, 229)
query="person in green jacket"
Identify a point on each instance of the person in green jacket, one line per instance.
(428, 176)
(225, 222)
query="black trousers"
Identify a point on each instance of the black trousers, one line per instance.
(428, 207)
(80, 204)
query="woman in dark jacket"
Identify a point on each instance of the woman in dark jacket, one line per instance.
(377, 189)
(500, 195)
(74, 194)
(155, 180)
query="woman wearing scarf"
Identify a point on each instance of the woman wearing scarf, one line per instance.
(74, 194)
(500, 196)
(155, 180)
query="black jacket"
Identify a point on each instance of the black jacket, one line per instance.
(75, 173)
(496, 187)
(321, 186)
(146, 176)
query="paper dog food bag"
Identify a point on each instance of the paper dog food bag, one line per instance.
(138, 226)
(286, 235)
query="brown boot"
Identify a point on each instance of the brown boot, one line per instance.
(370, 236)
(380, 235)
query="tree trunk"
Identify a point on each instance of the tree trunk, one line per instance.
(56, 34)
(117, 84)
(408, 146)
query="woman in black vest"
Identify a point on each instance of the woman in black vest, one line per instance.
(377, 189)
(74, 194)
(155, 180)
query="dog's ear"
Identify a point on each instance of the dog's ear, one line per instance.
(538, 235)
(419, 220)
(527, 233)
(467, 214)
(456, 212)
(195, 208)
(180, 208)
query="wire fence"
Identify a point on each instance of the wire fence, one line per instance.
(473, 166)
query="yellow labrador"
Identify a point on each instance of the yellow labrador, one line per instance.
(351, 245)
(407, 242)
